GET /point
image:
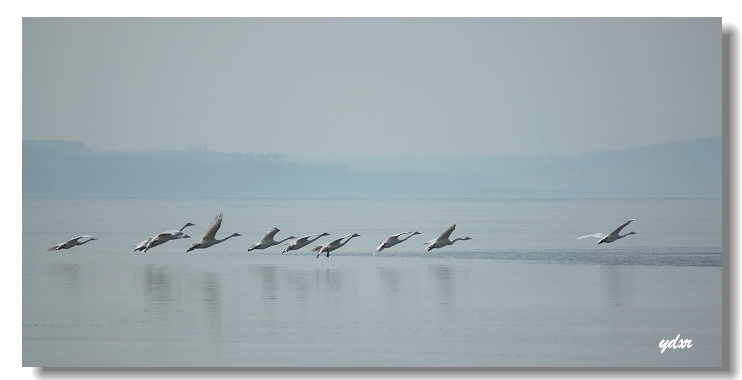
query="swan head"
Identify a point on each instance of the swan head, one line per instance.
(189, 224)
(631, 233)
(354, 235)
(324, 234)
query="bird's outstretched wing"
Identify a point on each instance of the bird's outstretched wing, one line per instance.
(215, 224)
(141, 245)
(618, 230)
(304, 239)
(186, 225)
(166, 234)
(598, 235)
(269, 235)
(317, 248)
(447, 233)
(380, 247)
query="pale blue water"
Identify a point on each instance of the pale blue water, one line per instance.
(522, 292)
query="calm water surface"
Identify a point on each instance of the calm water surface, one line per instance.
(522, 292)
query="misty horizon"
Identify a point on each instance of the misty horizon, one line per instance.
(54, 169)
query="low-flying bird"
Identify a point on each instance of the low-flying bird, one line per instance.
(611, 237)
(161, 238)
(72, 242)
(394, 240)
(209, 238)
(267, 240)
(443, 240)
(303, 242)
(333, 245)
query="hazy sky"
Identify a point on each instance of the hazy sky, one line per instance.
(397, 86)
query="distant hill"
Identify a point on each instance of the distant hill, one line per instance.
(69, 169)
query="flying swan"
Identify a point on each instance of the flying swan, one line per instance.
(209, 238)
(72, 242)
(443, 240)
(335, 244)
(303, 242)
(161, 238)
(267, 240)
(613, 236)
(394, 240)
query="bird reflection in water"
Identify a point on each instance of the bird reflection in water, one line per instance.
(389, 280)
(443, 277)
(158, 288)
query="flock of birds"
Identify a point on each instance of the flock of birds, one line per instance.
(268, 240)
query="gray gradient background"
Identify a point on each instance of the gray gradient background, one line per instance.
(345, 87)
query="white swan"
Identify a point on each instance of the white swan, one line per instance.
(394, 240)
(303, 242)
(163, 237)
(613, 236)
(333, 245)
(267, 240)
(209, 238)
(72, 242)
(443, 240)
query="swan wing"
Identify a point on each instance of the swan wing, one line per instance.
(214, 227)
(303, 239)
(618, 230)
(379, 248)
(269, 235)
(447, 233)
(77, 239)
(168, 234)
(598, 235)
(142, 244)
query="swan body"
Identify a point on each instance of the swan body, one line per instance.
(80, 240)
(443, 240)
(394, 240)
(267, 240)
(162, 238)
(611, 237)
(333, 245)
(303, 242)
(209, 238)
